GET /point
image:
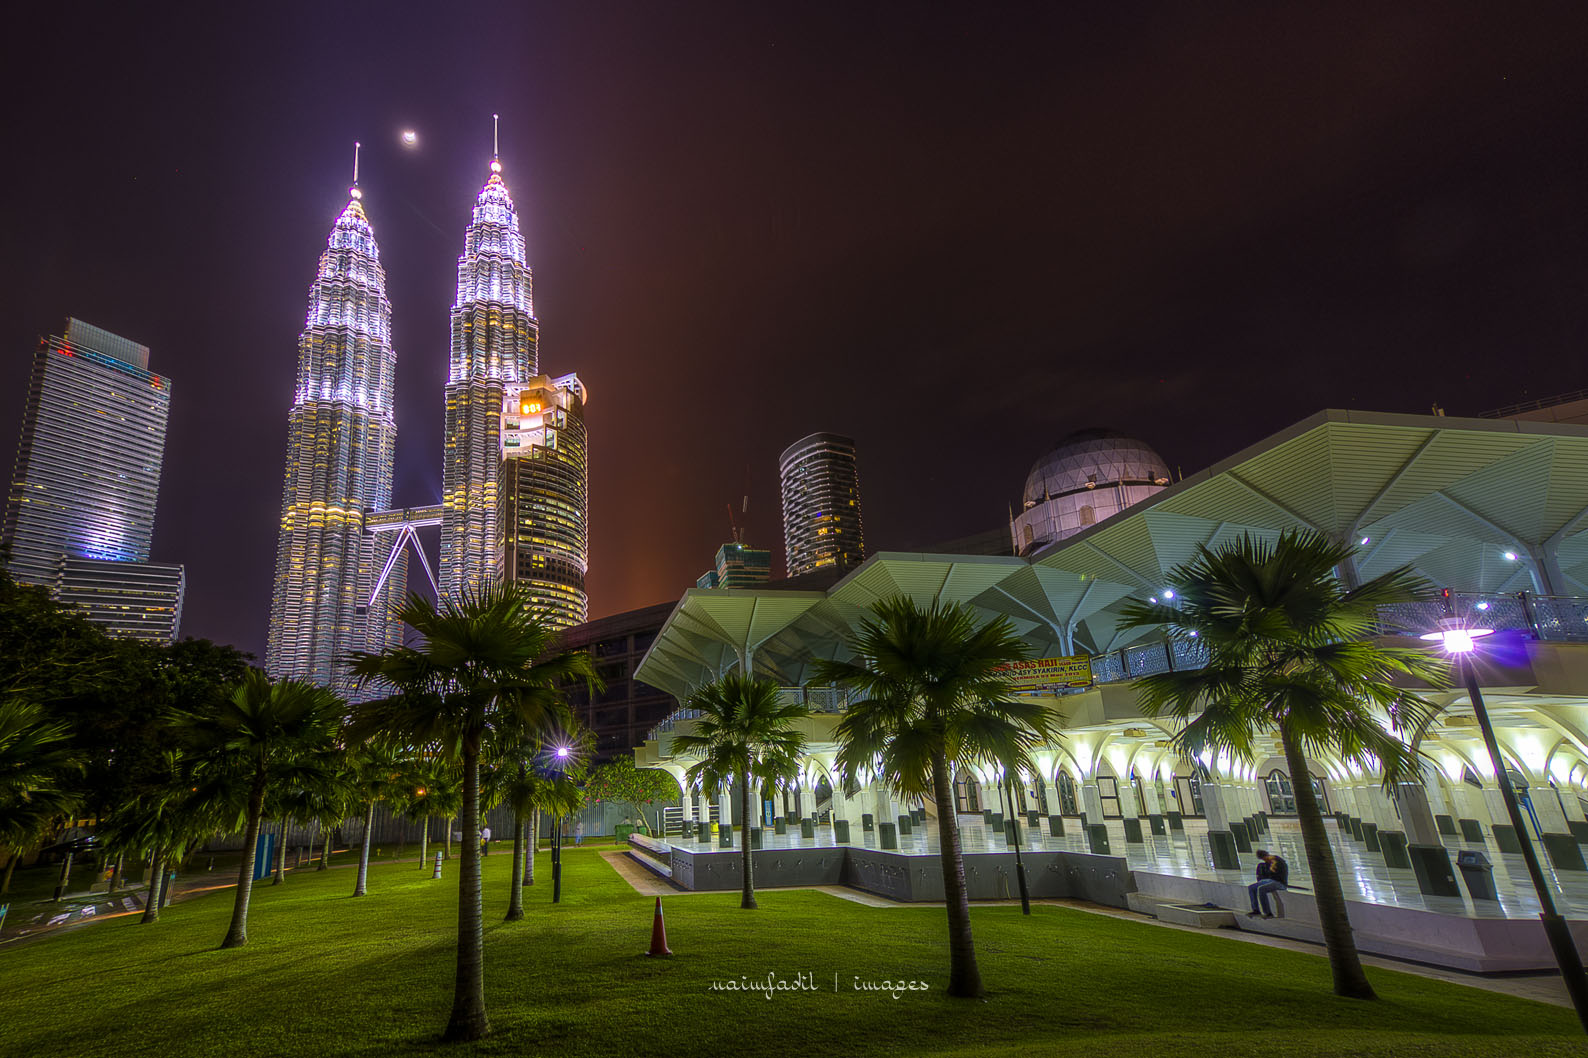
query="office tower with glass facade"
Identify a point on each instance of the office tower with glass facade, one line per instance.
(135, 600)
(341, 442)
(821, 504)
(79, 516)
(544, 495)
(494, 335)
(738, 566)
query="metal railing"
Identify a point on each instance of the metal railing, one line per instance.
(819, 700)
(1549, 618)
(1534, 405)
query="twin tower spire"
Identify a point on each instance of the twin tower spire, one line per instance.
(514, 470)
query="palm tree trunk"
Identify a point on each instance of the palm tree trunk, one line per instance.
(11, 865)
(515, 898)
(237, 935)
(424, 843)
(325, 849)
(151, 903)
(468, 1020)
(534, 844)
(115, 873)
(168, 885)
(747, 896)
(448, 837)
(280, 873)
(363, 852)
(964, 976)
(1333, 918)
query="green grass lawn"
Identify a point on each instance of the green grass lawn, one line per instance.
(325, 974)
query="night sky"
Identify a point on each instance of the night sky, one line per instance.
(956, 236)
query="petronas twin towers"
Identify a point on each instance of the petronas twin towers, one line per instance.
(514, 495)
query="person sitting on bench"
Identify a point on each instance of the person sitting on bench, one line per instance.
(1273, 875)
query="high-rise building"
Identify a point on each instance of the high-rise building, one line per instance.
(821, 504)
(738, 566)
(79, 517)
(622, 713)
(494, 334)
(341, 442)
(544, 495)
(135, 600)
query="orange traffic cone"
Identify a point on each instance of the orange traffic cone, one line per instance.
(658, 932)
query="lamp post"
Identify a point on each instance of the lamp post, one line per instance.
(561, 759)
(1459, 641)
(1020, 864)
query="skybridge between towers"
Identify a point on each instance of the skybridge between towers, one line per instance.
(406, 523)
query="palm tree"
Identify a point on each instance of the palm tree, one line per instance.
(376, 775)
(745, 731)
(1289, 651)
(431, 787)
(522, 780)
(483, 657)
(164, 818)
(933, 698)
(309, 787)
(245, 740)
(330, 779)
(37, 764)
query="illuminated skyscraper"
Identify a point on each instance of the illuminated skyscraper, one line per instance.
(545, 496)
(738, 566)
(341, 440)
(821, 504)
(79, 516)
(494, 335)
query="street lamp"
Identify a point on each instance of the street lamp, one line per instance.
(1020, 864)
(561, 754)
(1459, 641)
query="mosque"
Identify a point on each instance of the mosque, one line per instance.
(1494, 509)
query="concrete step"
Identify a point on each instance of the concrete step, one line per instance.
(656, 867)
(1196, 915)
(1143, 904)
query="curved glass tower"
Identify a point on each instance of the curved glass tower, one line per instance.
(494, 336)
(341, 440)
(545, 496)
(821, 504)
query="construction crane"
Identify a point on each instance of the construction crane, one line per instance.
(733, 525)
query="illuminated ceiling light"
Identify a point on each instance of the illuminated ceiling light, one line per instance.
(1168, 593)
(410, 138)
(1510, 556)
(1482, 606)
(1366, 540)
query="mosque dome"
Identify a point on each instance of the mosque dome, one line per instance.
(1089, 475)
(1090, 459)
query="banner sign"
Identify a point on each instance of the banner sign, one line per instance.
(1035, 675)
